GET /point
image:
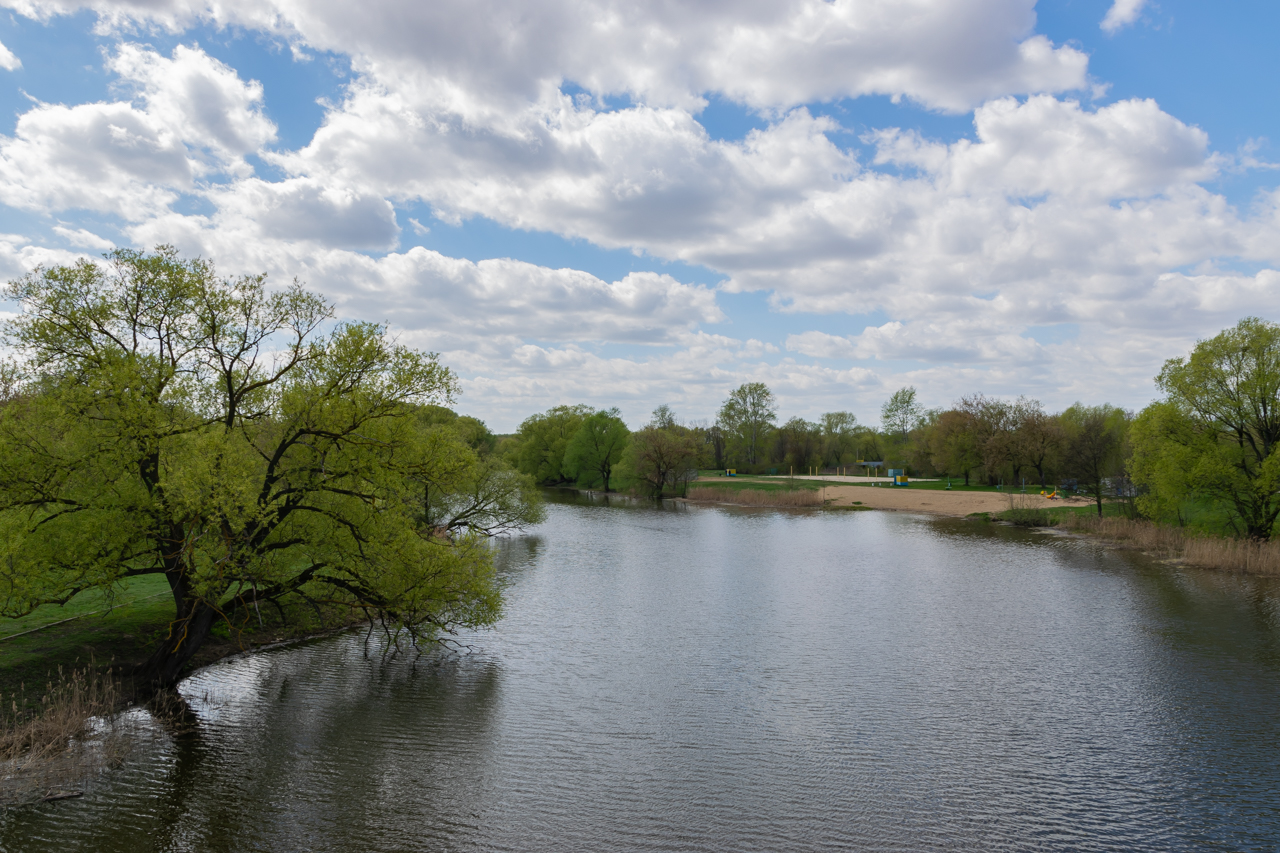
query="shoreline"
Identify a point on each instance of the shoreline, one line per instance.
(954, 504)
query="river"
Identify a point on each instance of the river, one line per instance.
(685, 678)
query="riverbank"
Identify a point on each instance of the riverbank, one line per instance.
(941, 502)
(872, 493)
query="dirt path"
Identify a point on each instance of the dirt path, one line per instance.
(938, 501)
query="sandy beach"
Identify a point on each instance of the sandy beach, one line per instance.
(938, 501)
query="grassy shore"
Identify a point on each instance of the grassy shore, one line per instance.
(119, 629)
(110, 629)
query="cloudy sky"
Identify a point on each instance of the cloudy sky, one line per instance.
(643, 202)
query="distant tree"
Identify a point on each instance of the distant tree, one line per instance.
(661, 458)
(798, 444)
(901, 413)
(840, 437)
(597, 446)
(168, 422)
(1038, 438)
(1221, 423)
(1095, 441)
(714, 437)
(543, 439)
(663, 417)
(748, 415)
(954, 443)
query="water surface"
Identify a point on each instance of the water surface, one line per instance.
(687, 678)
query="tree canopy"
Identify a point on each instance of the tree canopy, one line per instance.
(597, 446)
(747, 416)
(543, 439)
(162, 420)
(1217, 432)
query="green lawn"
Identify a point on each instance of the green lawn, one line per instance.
(123, 628)
(102, 628)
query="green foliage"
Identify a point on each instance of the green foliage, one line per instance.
(597, 446)
(1218, 431)
(1028, 517)
(1167, 449)
(472, 431)
(901, 413)
(798, 444)
(747, 418)
(839, 438)
(660, 459)
(1096, 438)
(542, 441)
(171, 422)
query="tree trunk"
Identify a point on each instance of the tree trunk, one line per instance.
(187, 634)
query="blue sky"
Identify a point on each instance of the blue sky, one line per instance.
(993, 196)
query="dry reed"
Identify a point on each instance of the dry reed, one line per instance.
(756, 497)
(1230, 555)
(68, 737)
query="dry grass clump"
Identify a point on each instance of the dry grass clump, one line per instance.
(1230, 555)
(68, 737)
(756, 497)
(1235, 555)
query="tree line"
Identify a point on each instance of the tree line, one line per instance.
(1204, 454)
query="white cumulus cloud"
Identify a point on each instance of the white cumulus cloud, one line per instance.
(8, 61)
(1121, 14)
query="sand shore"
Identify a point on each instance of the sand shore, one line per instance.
(939, 501)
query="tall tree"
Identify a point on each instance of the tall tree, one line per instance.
(748, 415)
(798, 443)
(1038, 438)
(1095, 441)
(1222, 417)
(543, 439)
(954, 443)
(840, 437)
(166, 421)
(901, 412)
(661, 458)
(597, 446)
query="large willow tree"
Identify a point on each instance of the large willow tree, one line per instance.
(162, 420)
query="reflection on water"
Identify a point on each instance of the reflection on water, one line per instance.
(687, 678)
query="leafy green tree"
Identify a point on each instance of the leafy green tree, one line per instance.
(901, 413)
(1220, 423)
(954, 443)
(166, 421)
(661, 458)
(1095, 443)
(798, 444)
(748, 416)
(597, 446)
(543, 439)
(1038, 438)
(1167, 451)
(471, 430)
(663, 417)
(839, 438)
